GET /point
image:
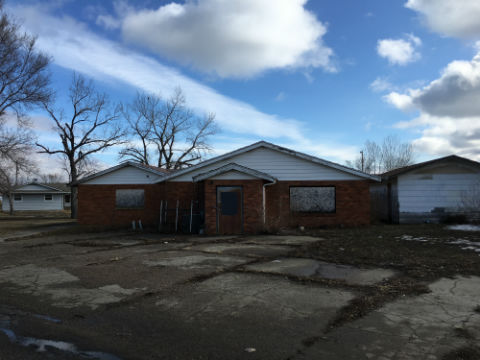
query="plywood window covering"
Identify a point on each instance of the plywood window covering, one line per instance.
(129, 198)
(312, 199)
(48, 197)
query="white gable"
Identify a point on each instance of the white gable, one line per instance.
(234, 175)
(125, 175)
(277, 164)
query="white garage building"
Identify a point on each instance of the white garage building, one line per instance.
(432, 191)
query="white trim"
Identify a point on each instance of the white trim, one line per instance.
(235, 167)
(276, 148)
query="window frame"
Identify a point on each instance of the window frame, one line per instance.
(18, 200)
(316, 212)
(45, 197)
(69, 198)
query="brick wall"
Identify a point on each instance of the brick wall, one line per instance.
(352, 205)
(252, 204)
(96, 205)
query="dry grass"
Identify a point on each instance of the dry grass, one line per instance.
(417, 262)
(464, 353)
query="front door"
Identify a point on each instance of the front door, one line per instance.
(229, 210)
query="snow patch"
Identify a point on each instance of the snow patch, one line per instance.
(411, 238)
(463, 243)
(464, 227)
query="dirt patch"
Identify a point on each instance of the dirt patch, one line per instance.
(376, 297)
(431, 256)
(384, 246)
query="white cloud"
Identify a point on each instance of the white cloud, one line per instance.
(401, 101)
(399, 51)
(381, 84)
(449, 118)
(111, 22)
(235, 38)
(74, 47)
(456, 18)
(454, 94)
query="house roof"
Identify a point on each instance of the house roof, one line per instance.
(150, 168)
(49, 188)
(445, 159)
(233, 167)
(271, 146)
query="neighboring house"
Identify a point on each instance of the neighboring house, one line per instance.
(431, 191)
(38, 197)
(261, 187)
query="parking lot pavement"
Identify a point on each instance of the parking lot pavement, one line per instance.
(423, 327)
(123, 295)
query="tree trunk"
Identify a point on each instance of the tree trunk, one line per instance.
(73, 202)
(73, 189)
(10, 201)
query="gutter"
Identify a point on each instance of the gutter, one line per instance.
(264, 201)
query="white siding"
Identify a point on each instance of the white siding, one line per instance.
(282, 166)
(125, 175)
(423, 192)
(35, 202)
(234, 175)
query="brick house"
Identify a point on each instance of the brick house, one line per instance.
(260, 187)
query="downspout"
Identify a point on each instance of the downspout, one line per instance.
(264, 202)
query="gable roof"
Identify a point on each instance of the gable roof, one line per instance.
(274, 147)
(49, 188)
(149, 168)
(233, 167)
(445, 159)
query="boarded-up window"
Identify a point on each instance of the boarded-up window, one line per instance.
(320, 199)
(129, 198)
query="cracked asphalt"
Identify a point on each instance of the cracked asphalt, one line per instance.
(123, 295)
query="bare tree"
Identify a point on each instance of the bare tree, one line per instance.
(369, 159)
(178, 136)
(91, 127)
(389, 155)
(24, 83)
(24, 76)
(140, 116)
(396, 154)
(16, 164)
(52, 178)
(88, 166)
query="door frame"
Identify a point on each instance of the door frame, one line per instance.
(217, 192)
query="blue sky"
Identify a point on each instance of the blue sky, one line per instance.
(319, 76)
